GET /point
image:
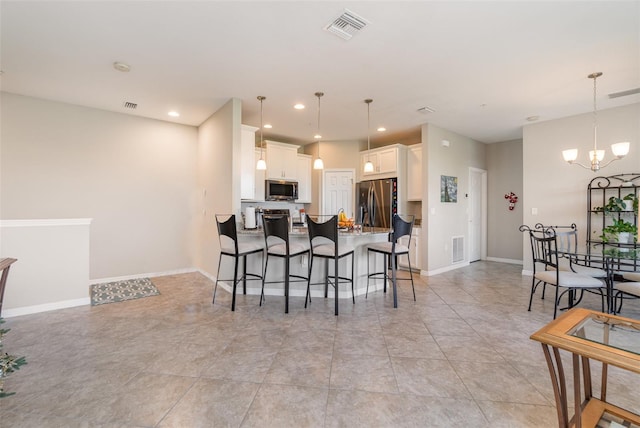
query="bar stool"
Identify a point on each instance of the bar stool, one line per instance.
(229, 246)
(326, 247)
(391, 250)
(276, 237)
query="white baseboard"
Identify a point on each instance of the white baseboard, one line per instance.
(444, 269)
(501, 260)
(143, 275)
(46, 307)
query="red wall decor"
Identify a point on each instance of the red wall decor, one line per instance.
(512, 200)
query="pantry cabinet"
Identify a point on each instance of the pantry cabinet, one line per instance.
(414, 173)
(247, 163)
(304, 179)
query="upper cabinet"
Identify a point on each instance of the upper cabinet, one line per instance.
(414, 173)
(304, 179)
(387, 162)
(282, 161)
(248, 166)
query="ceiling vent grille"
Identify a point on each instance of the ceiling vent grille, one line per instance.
(625, 93)
(129, 105)
(347, 25)
(425, 110)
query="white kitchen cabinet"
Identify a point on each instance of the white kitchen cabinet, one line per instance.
(304, 179)
(389, 161)
(247, 162)
(259, 180)
(282, 161)
(414, 250)
(414, 173)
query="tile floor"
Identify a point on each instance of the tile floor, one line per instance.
(458, 357)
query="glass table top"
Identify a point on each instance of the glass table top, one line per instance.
(599, 328)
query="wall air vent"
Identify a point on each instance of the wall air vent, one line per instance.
(131, 106)
(346, 25)
(457, 249)
(625, 93)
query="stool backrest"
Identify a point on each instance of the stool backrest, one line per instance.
(276, 226)
(323, 230)
(401, 227)
(227, 228)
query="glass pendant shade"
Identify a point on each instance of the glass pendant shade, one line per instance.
(261, 165)
(596, 155)
(368, 166)
(318, 163)
(620, 149)
(570, 155)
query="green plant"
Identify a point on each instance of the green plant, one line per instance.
(8, 363)
(614, 204)
(618, 226)
(632, 197)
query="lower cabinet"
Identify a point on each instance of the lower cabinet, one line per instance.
(414, 251)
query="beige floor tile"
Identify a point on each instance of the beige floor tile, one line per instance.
(363, 372)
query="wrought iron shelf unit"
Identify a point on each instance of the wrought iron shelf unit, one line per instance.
(605, 209)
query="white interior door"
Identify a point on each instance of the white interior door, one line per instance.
(338, 185)
(477, 214)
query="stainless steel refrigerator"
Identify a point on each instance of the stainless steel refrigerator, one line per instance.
(377, 202)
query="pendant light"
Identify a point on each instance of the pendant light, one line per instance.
(596, 156)
(368, 166)
(318, 164)
(261, 165)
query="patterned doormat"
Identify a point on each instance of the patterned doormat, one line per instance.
(119, 291)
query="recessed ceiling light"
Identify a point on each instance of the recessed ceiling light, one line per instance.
(382, 129)
(317, 136)
(121, 66)
(174, 114)
(298, 106)
(267, 126)
(533, 118)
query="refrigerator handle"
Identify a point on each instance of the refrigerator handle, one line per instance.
(372, 207)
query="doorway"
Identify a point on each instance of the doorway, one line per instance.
(338, 185)
(477, 214)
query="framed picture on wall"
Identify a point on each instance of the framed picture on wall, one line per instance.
(448, 188)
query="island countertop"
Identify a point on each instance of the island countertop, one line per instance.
(359, 240)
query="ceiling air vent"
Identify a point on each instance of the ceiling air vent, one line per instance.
(129, 105)
(625, 93)
(425, 110)
(347, 25)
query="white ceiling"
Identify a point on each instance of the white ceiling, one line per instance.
(484, 67)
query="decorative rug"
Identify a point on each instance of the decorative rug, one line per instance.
(120, 291)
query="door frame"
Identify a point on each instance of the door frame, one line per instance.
(353, 186)
(483, 213)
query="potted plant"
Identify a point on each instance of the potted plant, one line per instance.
(620, 230)
(8, 364)
(630, 203)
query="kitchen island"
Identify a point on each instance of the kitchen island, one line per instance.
(358, 240)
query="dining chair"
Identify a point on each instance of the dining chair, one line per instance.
(572, 261)
(391, 250)
(546, 270)
(229, 246)
(276, 237)
(323, 243)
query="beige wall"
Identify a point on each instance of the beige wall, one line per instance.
(504, 163)
(218, 151)
(134, 176)
(335, 154)
(445, 220)
(559, 191)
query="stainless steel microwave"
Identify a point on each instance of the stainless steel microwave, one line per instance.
(281, 190)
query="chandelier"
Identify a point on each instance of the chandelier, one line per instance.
(596, 156)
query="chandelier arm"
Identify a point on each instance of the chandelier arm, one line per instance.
(612, 160)
(579, 164)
